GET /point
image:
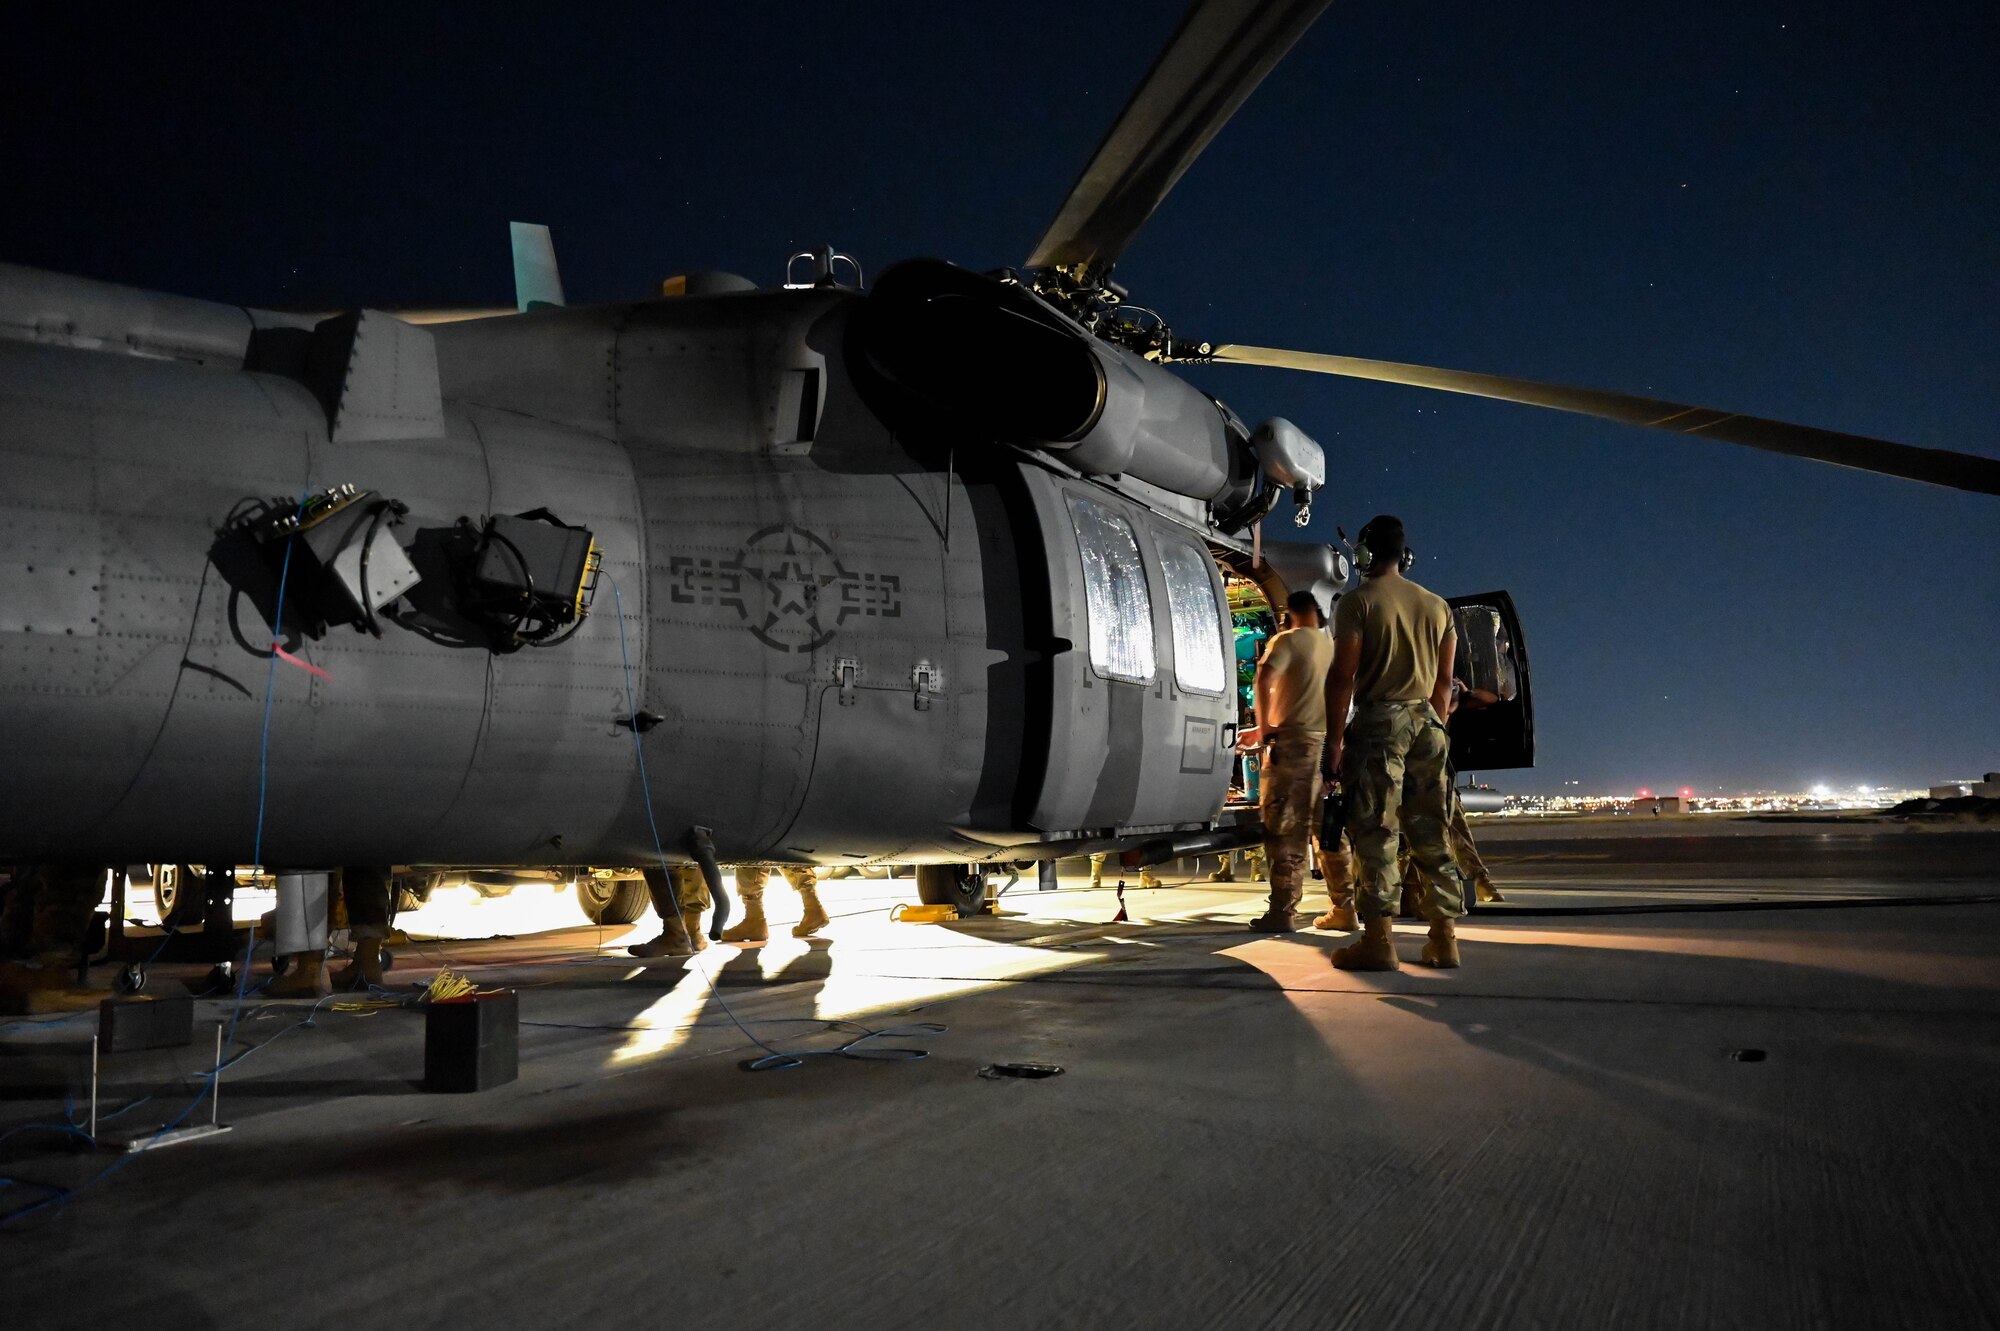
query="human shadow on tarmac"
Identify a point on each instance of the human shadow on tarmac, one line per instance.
(1675, 1008)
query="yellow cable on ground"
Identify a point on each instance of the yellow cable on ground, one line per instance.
(447, 983)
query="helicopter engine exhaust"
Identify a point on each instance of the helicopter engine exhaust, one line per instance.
(967, 354)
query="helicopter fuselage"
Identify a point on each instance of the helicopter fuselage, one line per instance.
(835, 641)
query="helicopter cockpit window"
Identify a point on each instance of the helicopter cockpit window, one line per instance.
(1116, 603)
(1485, 658)
(1198, 665)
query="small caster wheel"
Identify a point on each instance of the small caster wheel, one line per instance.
(388, 961)
(131, 979)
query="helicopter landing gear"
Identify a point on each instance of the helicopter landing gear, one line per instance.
(613, 901)
(959, 885)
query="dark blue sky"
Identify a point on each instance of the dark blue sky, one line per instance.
(1785, 210)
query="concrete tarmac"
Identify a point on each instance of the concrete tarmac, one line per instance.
(1770, 1117)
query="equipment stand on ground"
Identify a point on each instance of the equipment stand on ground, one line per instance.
(153, 1140)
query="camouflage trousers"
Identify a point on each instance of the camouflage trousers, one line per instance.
(1464, 853)
(686, 891)
(1394, 776)
(1336, 867)
(750, 880)
(1288, 799)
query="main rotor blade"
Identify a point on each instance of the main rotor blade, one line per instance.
(1961, 471)
(1217, 56)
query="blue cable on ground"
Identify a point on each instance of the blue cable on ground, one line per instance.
(773, 1058)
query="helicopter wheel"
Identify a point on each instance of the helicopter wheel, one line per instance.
(958, 885)
(615, 901)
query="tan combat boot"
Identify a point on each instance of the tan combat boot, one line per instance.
(691, 926)
(750, 929)
(1483, 888)
(1278, 918)
(815, 918)
(1336, 870)
(1376, 950)
(1442, 950)
(305, 979)
(672, 942)
(1338, 919)
(366, 968)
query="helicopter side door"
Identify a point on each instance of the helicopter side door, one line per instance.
(1492, 661)
(1137, 741)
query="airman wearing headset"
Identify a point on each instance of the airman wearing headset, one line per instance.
(1393, 648)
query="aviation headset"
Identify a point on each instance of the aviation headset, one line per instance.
(1364, 558)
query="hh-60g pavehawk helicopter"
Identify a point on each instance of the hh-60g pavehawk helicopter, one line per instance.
(933, 572)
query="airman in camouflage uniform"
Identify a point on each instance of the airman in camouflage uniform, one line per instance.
(1291, 714)
(1393, 652)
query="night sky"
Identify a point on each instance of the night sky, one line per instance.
(1785, 210)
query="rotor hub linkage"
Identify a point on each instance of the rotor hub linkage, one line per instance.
(1100, 306)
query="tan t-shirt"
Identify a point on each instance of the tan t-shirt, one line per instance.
(1401, 627)
(1296, 662)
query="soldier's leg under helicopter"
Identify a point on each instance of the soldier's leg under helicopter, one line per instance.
(369, 897)
(1147, 878)
(814, 917)
(44, 918)
(680, 902)
(751, 880)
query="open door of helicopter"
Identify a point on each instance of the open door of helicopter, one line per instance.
(1143, 711)
(1495, 725)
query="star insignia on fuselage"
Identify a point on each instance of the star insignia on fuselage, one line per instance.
(792, 577)
(807, 594)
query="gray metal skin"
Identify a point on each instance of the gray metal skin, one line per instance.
(862, 646)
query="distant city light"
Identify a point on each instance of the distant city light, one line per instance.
(1820, 797)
